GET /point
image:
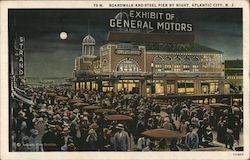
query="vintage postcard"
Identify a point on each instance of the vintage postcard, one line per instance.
(124, 79)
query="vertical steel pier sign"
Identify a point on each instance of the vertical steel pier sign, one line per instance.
(20, 55)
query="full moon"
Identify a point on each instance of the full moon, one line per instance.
(63, 35)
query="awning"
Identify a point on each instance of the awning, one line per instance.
(21, 98)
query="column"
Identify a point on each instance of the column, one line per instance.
(82, 49)
(85, 85)
(85, 50)
(115, 85)
(197, 87)
(99, 85)
(143, 87)
(221, 85)
(90, 85)
(176, 86)
(165, 87)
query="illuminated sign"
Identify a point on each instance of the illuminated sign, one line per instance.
(149, 21)
(20, 56)
(130, 52)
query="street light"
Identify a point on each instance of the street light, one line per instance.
(152, 85)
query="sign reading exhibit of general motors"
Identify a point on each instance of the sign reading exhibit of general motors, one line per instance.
(135, 19)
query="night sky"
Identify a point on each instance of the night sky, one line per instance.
(46, 55)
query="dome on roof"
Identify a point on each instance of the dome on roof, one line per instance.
(122, 16)
(88, 39)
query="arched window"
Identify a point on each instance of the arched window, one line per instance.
(158, 59)
(177, 64)
(168, 64)
(195, 65)
(158, 63)
(128, 65)
(196, 60)
(105, 65)
(186, 64)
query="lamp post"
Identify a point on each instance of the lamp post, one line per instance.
(152, 83)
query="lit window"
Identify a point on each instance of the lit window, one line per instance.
(226, 88)
(177, 64)
(159, 88)
(177, 68)
(158, 61)
(185, 87)
(167, 64)
(158, 67)
(186, 68)
(213, 87)
(168, 67)
(195, 68)
(128, 65)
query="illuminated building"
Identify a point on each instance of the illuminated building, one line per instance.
(180, 66)
(234, 74)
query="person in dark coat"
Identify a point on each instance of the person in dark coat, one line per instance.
(207, 138)
(49, 140)
(106, 140)
(237, 129)
(92, 138)
(84, 133)
(229, 139)
(177, 111)
(140, 127)
(221, 130)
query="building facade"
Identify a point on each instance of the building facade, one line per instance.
(152, 63)
(234, 74)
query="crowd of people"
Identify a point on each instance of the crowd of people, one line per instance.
(52, 124)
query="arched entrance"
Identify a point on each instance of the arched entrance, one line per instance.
(128, 83)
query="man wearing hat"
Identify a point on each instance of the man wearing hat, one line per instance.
(121, 139)
(21, 125)
(34, 141)
(40, 125)
(91, 140)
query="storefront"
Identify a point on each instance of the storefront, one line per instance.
(185, 87)
(130, 86)
(210, 87)
(107, 86)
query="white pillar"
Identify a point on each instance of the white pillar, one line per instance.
(84, 50)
